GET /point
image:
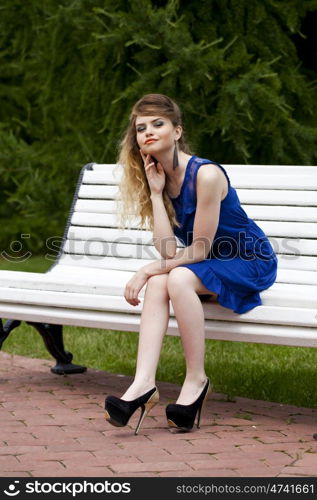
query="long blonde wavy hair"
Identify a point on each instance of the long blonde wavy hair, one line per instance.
(134, 188)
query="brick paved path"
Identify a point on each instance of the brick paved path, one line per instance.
(53, 426)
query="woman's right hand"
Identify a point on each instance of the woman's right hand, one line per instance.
(154, 173)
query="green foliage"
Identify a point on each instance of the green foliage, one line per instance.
(70, 72)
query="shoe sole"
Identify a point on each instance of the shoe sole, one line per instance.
(187, 429)
(174, 426)
(111, 421)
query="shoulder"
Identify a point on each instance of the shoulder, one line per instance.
(210, 176)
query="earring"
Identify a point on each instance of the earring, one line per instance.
(175, 157)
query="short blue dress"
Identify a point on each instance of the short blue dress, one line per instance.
(241, 262)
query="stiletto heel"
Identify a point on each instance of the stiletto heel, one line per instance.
(183, 416)
(118, 411)
(146, 408)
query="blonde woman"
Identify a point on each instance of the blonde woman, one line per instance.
(226, 256)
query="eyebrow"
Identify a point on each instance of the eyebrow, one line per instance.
(155, 119)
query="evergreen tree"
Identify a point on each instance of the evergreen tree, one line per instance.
(70, 72)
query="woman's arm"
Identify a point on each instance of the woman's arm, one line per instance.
(163, 236)
(209, 192)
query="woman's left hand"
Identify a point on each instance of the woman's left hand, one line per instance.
(133, 287)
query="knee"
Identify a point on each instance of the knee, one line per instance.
(157, 284)
(177, 279)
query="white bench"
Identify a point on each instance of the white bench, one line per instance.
(85, 285)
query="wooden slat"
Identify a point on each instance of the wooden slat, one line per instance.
(99, 220)
(288, 170)
(288, 229)
(98, 192)
(271, 197)
(300, 262)
(133, 236)
(99, 262)
(255, 212)
(282, 213)
(294, 276)
(220, 330)
(246, 196)
(271, 228)
(301, 265)
(96, 206)
(111, 249)
(301, 316)
(89, 283)
(238, 179)
(294, 248)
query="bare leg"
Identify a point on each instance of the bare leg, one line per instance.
(153, 326)
(183, 288)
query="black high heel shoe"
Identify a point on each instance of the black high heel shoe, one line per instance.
(118, 411)
(183, 416)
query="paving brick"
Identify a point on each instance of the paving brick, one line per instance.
(54, 426)
(36, 456)
(258, 471)
(208, 472)
(150, 467)
(14, 474)
(86, 472)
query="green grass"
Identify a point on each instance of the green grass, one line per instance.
(258, 371)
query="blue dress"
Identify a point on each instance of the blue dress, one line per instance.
(241, 262)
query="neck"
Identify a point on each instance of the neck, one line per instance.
(166, 160)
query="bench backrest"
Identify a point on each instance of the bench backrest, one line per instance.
(281, 199)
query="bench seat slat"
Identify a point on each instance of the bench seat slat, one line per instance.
(264, 314)
(220, 330)
(112, 282)
(283, 275)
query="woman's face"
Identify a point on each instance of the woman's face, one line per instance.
(155, 134)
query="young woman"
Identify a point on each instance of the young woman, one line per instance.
(226, 257)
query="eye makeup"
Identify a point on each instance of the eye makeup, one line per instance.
(158, 122)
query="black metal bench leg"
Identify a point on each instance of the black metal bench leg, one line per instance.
(53, 340)
(5, 330)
